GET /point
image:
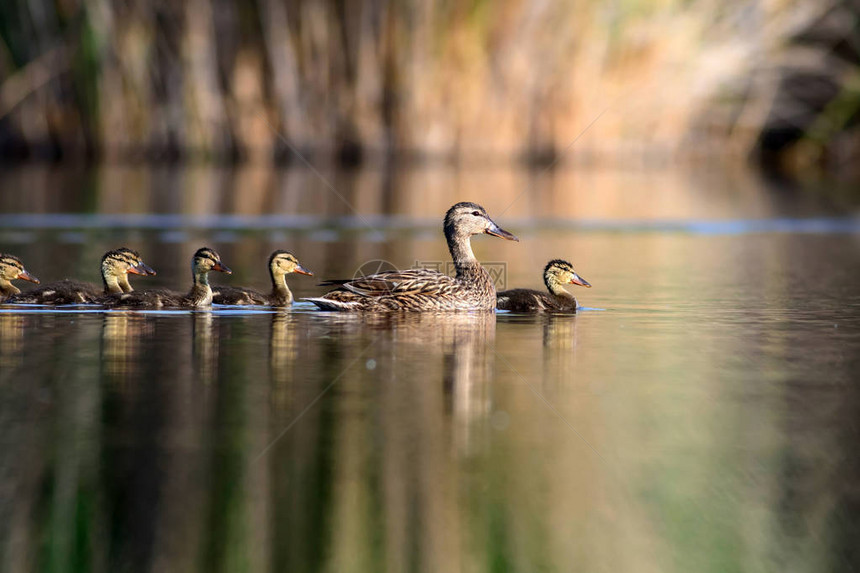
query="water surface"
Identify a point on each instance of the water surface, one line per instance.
(701, 416)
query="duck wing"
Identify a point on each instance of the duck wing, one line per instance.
(412, 289)
(410, 282)
(150, 298)
(524, 300)
(238, 296)
(60, 292)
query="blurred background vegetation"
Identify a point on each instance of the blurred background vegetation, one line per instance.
(371, 80)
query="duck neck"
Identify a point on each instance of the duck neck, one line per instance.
(201, 293)
(557, 290)
(124, 284)
(111, 283)
(465, 263)
(281, 293)
(7, 288)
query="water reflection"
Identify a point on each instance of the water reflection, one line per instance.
(412, 393)
(121, 338)
(306, 441)
(11, 335)
(283, 350)
(559, 350)
(205, 339)
(468, 349)
(198, 472)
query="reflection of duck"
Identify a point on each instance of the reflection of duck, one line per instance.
(453, 349)
(468, 371)
(12, 335)
(200, 295)
(423, 289)
(115, 267)
(281, 263)
(282, 355)
(11, 268)
(205, 339)
(559, 350)
(121, 336)
(556, 274)
(559, 332)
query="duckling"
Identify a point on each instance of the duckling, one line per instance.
(556, 274)
(200, 295)
(11, 268)
(423, 289)
(281, 263)
(115, 267)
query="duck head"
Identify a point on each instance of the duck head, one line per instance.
(206, 260)
(118, 264)
(559, 272)
(11, 268)
(282, 263)
(466, 219)
(137, 266)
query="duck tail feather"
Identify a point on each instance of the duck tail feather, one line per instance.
(328, 304)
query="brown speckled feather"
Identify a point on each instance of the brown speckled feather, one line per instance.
(415, 289)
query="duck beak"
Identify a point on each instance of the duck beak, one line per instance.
(221, 267)
(25, 276)
(578, 280)
(142, 269)
(303, 271)
(497, 231)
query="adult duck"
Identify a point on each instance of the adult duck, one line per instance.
(11, 268)
(423, 289)
(116, 265)
(556, 274)
(281, 263)
(200, 295)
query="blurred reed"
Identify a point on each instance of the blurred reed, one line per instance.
(228, 80)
